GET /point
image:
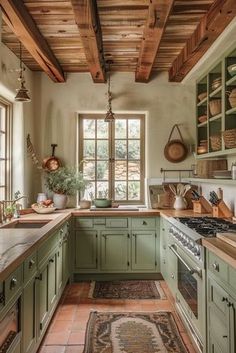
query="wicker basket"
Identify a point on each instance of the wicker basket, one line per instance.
(232, 98)
(215, 106)
(215, 142)
(230, 138)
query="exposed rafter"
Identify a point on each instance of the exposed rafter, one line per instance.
(21, 23)
(158, 14)
(208, 30)
(86, 17)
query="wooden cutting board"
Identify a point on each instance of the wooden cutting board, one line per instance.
(229, 238)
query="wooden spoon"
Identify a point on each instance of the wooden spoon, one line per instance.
(172, 188)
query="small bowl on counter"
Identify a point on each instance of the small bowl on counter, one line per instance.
(102, 203)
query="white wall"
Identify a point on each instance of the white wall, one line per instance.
(165, 103)
(23, 120)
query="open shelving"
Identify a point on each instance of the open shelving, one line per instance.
(213, 102)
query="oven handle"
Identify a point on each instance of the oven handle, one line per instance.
(191, 270)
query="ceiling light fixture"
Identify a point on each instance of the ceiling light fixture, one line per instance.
(22, 92)
(110, 116)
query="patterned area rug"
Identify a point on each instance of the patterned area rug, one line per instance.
(126, 290)
(154, 332)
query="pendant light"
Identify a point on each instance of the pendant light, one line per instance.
(110, 116)
(22, 92)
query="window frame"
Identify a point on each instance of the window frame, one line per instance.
(5, 104)
(111, 139)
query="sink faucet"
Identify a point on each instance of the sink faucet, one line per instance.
(7, 209)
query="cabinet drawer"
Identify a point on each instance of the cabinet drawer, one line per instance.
(46, 249)
(13, 284)
(117, 222)
(232, 277)
(143, 223)
(218, 298)
(217, 266)
(29, 267)
(84, 222)
(99, 221)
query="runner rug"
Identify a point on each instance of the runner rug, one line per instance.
(126, 290)
(153, 332)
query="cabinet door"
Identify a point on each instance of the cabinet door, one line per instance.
(143, 250)
(86, 249)
(52, 281)
(65, 260)
(171, 269)
(28, 318)
(232, 324)
(164, 229)
(59, 268)
(42, 299)
(114, 251)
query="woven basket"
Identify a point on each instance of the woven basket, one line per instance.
(215, 142)
(230, 138)
(215, 106)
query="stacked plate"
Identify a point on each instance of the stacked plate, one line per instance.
(222, 174)
(216, 83)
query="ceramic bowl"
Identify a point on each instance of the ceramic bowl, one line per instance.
(102, 203)
(232, 70)
(43, 210)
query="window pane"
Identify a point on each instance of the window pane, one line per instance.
(120, 128)
(120, 170)
(120, 190)
(102, 189)
(2, 119)
(134, 170)
(134, 190)
(2, 173)
(102, 170)
(102, 129)
(120, 149)
(89, 149)
(2, 194)
(89, 128)
(90, 191)
(89, 170)
(2, 146)
(134, 128)
(134, 149)
(102, 149)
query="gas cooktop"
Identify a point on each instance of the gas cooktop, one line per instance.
(207, 226)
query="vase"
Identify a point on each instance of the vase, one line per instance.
(180, 203)
(60, 201)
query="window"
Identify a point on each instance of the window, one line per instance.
(5, 110)
(113, 155)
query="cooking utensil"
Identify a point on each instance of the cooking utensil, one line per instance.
(186, 189)
(214, 200)
(51, 163)
(175, 150)
(173, 189)
(195, 195)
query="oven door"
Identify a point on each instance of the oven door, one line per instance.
(190, 295)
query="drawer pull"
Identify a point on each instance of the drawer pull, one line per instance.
(31, 263)
(144, 223)
(216, 266)
(13, 283)
(225, 336)
(51, 260)
(172, 276)
(224, 299)
(40, 277)
(229, 304)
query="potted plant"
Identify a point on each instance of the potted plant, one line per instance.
(63, 182)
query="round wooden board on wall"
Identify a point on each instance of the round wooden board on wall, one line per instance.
(175, 151)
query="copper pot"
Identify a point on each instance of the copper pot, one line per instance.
(51, 163)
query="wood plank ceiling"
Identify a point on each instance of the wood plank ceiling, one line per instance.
(125, 27)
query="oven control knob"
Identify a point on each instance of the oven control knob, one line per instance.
(190, 245)
(171, 230)
(196, 250)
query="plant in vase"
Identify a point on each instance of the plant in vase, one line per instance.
(63, 182)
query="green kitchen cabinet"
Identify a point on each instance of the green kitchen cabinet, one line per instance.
(86, 248)
(164, 233)
(65, 258)
(52, 280)
(28, 317)
(42, 300)
(115, 251)
(59, 265)
(221, 305)
(143, 251)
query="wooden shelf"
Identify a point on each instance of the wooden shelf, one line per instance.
(202, 124)
(231, 111)
(215, 92)
(202, 102)
(231, 81)
(211, 181)
(215, 117)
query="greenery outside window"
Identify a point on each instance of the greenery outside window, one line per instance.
(113, 155)
(5, 144)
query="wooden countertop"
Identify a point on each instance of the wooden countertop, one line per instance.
(222, 249)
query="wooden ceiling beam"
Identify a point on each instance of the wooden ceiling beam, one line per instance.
(158, 14)
(87, 20)
(220, 14)
(17, 17)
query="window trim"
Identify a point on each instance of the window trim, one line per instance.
(121, 115)
(8, 165)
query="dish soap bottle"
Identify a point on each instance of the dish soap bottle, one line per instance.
(233, 171)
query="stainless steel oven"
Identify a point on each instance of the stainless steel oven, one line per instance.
(9, 329)
(190, 294)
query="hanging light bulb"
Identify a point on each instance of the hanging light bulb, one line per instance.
(22, 92)
(110, 116)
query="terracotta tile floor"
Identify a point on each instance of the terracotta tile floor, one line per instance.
(66, 333)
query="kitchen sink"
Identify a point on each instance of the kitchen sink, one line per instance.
(25, 224)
